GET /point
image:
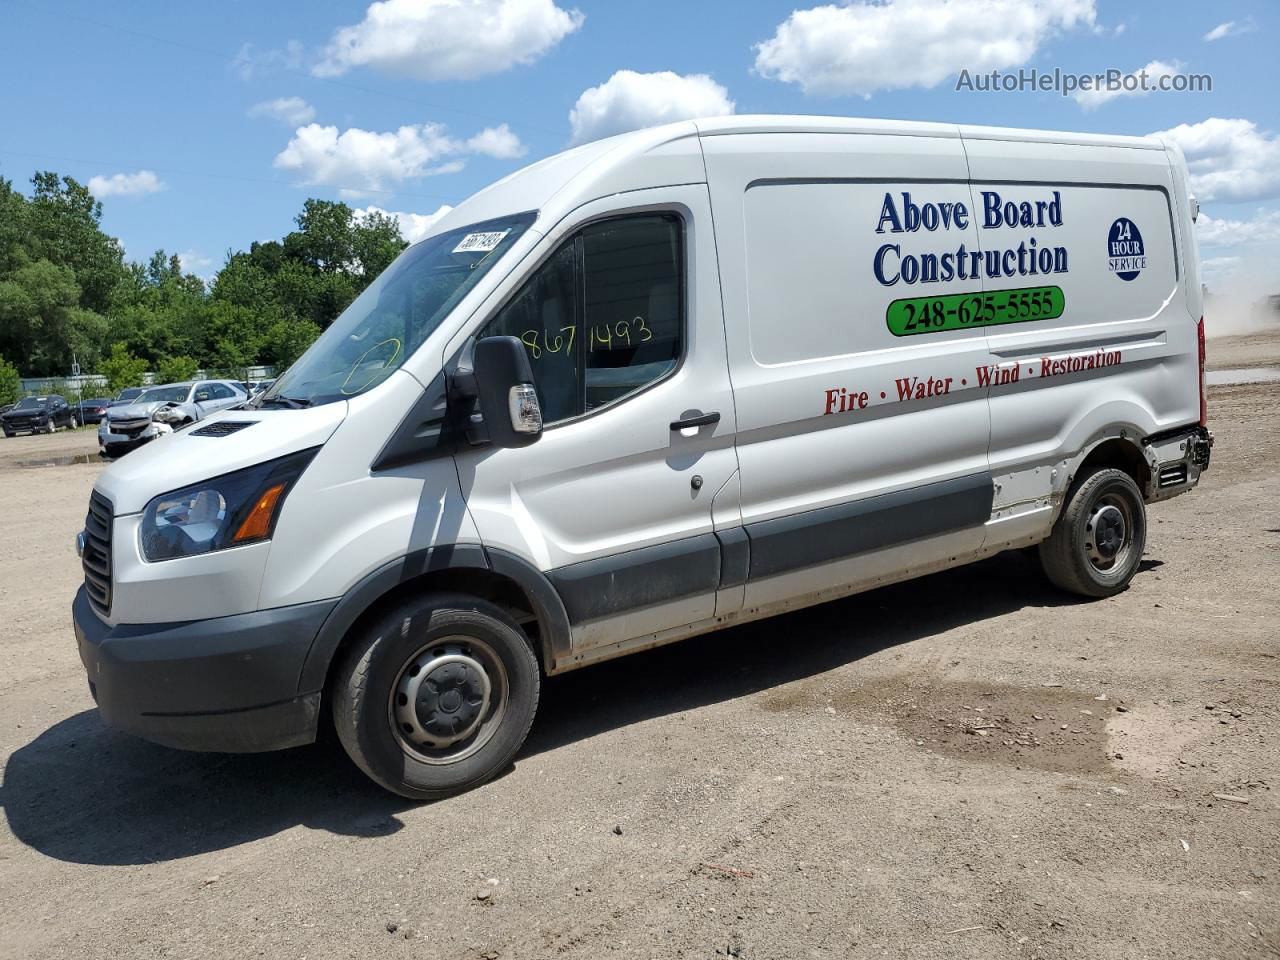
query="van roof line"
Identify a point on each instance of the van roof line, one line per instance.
(774, 123)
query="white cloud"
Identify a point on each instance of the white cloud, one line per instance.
(1229, 160)
(448, 39)
(862, 46)
(250, 62)
(1131, 84)
(497, 142)
(291, 110)
(1230, 29)
(1263, 228)
(359, 161)
(125, 184)
(1219, 266)
(630, 100)
(413, 226)
(196, 263)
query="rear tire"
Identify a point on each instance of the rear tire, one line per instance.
(437, 696)
(1097, 542)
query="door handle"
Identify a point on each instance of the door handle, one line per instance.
(705, 420)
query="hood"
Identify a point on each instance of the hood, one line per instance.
(16, 414)
(189, 456)
(137, 411)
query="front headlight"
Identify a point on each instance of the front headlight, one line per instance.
(167, 415)
(228, 511)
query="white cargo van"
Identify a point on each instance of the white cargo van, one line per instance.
(651, 387)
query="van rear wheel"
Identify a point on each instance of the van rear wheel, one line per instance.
(1097, 542)
(436, 697)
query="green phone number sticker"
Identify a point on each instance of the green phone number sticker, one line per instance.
(960, 311)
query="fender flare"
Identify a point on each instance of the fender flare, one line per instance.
(553, 621)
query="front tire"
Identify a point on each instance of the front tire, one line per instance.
(1097, 542)
(50, 427)
(437, 696)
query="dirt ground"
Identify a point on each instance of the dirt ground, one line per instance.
(968, 765)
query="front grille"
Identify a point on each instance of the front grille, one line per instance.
(222, 428)
(97, 553)
(128, 427)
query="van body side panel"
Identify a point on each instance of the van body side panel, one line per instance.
(1119, 357)
(835, 408)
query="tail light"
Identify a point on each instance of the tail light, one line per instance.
(1204, 404)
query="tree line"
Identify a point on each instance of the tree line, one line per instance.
(66, 289)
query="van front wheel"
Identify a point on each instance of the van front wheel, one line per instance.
(436, 697)
(1096, 545)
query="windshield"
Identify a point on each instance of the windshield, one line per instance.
(165, 395)
(32, 403)
(128, 393)
(397, 312)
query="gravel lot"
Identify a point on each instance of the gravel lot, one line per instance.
(969, 765)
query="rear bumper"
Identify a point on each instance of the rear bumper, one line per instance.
(1177, 459)
(228, 684)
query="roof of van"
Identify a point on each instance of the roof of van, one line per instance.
(555, 184)
(777, 123)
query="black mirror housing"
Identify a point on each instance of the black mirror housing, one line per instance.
(504, 389)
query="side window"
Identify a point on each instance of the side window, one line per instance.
(603, 317)
(220, 391)
(544, 316)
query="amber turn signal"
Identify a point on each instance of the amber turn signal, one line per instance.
(257, 526)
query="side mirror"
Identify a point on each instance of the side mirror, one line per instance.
(504, 387)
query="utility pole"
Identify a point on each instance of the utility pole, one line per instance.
(75, 372)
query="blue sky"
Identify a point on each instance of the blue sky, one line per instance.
(204, 127)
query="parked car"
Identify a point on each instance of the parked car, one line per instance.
(92, 409)
(163, 409)
(127, 395)
(39, 415)
(524, 450)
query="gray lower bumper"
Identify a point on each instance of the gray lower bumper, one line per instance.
(229, 684)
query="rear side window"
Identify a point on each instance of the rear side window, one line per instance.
(603, 317)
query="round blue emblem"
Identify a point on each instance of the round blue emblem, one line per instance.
(1126, 256)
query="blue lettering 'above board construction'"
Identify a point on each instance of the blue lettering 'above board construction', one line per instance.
(1028, 259)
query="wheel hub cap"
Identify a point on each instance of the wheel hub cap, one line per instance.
(441, 697)
(1105, 533)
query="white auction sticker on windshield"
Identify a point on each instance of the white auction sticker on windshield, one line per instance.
(480, 242)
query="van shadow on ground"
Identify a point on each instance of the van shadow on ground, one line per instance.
(82, 793)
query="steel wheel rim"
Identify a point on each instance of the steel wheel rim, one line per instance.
(1108, 533)
(448, 700)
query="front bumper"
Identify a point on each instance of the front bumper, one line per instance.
(26, 425)
(228, 684)
(118, 444)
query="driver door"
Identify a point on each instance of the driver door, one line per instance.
(621, 320)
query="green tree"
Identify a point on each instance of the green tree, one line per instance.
(286, 340)
(63, 228)
(36, 303)
(376, 242)
(10, 382)
(176, 369)
(122, 369)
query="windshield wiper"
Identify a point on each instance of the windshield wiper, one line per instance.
(293, 403)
